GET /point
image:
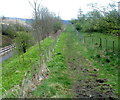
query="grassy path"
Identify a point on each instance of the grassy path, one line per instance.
(71, 74)
(87, 84)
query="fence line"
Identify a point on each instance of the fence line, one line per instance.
(100, 44)
(84, 41)
(33, 77)
(41, 74)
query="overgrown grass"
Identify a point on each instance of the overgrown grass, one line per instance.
(105, 61)
(94, 39)
(14, 69)
(59, 83)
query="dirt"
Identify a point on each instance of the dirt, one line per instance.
(54, 35)
(87, 84)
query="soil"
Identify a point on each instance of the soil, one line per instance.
(87, 84)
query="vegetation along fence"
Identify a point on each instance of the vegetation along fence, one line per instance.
(99, 41)
(32, 78)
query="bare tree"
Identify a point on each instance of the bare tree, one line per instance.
(43, 22)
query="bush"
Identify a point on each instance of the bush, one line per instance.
(23, 41)
(8, 30)
(78, 26)
(57, 25)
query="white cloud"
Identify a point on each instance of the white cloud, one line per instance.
(67, 9)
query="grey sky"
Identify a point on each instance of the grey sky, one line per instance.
(66, 9)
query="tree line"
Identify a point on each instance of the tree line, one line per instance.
(99, 19)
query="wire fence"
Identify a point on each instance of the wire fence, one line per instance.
(108, 45)
(33, 77)
(101, 43)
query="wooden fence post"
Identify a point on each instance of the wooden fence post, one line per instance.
(106, 45)
(113, 46)
(92, 43)
(100, 44)
(32, 71)
(23, 92)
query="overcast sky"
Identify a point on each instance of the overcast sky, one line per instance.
(66, 9)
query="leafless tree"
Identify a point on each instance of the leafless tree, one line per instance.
(43, 22)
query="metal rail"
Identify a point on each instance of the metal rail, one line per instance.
(6, 49)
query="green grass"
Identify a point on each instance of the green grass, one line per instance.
(60, 78)
(105, 61)
(59, 82)
(13, 71)
(96, 41)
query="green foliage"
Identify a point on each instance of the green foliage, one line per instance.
(19, 27)
(8, 30)
(99, 21)
(73, 21)
(13, 70)
(57, 25)
(78, 26)
(110, 23)
(23, 41)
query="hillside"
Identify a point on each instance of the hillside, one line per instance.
(5, 40)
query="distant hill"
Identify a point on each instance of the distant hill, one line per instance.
(15, 18)
(30, 20)
(66, 21)
(20, 20)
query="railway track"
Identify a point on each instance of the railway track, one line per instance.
(6, 49)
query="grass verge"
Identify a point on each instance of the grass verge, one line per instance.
(13, 70)
(59, 82)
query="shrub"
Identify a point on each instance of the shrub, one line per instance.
(8, 30)
(57, 25)
(23, 41)
(78, 26)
